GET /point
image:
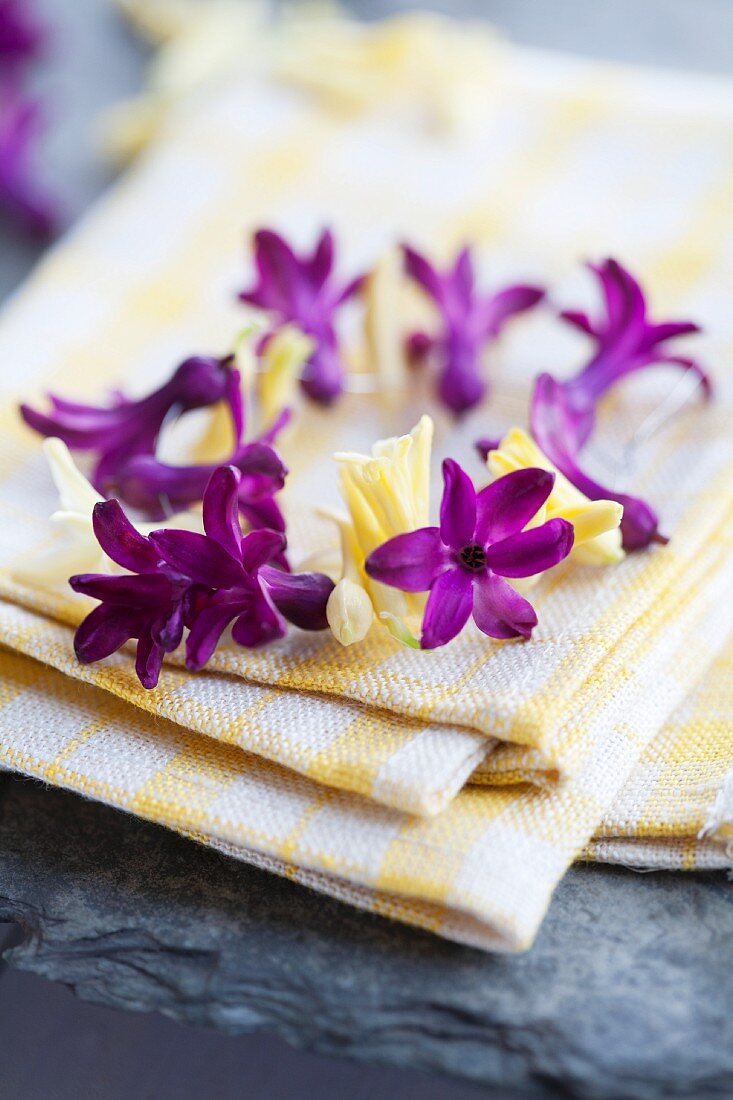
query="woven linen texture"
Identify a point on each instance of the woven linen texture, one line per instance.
(570, 159)
(481, 872)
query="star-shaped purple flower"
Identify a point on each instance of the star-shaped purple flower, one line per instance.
(301, 290)
(201, 582)
(464, 562)
(234, 578)
(469, 320)
(149, 606)
(563, 414)
(127, 428)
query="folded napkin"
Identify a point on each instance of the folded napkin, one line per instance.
(349, 741)
(481, 872)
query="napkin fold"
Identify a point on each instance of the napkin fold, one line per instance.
(343, 768)
(482, 872)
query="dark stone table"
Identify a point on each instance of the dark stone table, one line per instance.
(627, 992)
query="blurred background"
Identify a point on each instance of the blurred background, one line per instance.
(86, 59)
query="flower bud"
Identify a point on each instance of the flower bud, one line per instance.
(349, 612)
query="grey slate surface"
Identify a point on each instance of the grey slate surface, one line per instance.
(627, 992)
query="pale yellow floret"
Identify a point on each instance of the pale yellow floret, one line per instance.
(77, 550)
(280, 368)
(596, 523)
(384, 326)
(386, 493)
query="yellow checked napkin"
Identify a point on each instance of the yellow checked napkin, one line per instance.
(481, 872)
(562, 160)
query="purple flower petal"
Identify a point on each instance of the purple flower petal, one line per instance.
(125, 590)
(21, 122)
(21, 39)
(509, 503)
(146, 483)
(197, 557)
(423, 272)
(507, 303)
(148, 662)
(261, 547)
(167, 632)
(120, 540)
(320, 265)
(105, 630)
(264, 512)
(213, 615)
(323, 374)
(532, 551)
(300, 597)
(458, 506)
(221, 510)
(260, 623)
(468, 321)
(464, 276)
(411, 561)
(556, 430)
(499, 610)
(578, 319)
(126, 429)
(460, 383)
(485, 445)
(301, 290)
(626, 340)
(639, 524)
(448, 608)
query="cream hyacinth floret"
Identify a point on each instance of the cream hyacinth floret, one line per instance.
(386, 493)
(596, 523)
(77, 551)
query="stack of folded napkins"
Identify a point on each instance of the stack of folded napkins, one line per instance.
(449, 789)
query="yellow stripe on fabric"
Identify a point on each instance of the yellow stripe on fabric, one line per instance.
(662, 570)
(190, 782)
(426, 856)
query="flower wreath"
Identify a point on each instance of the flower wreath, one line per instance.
(200, 573)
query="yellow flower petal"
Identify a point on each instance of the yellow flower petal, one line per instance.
(596, 522)
(281, 365)
(386, 494)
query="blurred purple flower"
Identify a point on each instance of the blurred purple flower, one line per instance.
(21, 37)
(233, 577)
(469, 321)
(563, 414)
(149, 606)
(300, 290)
(480, 541)
(127, 428)
(20, 196)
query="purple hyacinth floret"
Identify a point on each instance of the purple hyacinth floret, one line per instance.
(301, 290)
(469, 320)
(203, 582)
(563, 414)
(156, 487)
(149, 605)
(464, 562)
(126, 428)
(21, 197)
(234, 578)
